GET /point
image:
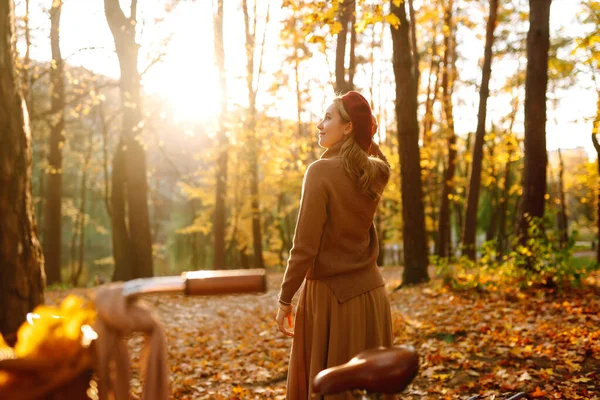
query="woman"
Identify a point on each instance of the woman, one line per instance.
(343, 307)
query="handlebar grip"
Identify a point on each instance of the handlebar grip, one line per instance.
(207, 283)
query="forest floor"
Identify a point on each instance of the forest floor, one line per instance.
(544, 342)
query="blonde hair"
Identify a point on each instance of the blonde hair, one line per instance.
(370, 173)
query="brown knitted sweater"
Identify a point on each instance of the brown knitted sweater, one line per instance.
(335, 239)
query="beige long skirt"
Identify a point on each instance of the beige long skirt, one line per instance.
(329, 333)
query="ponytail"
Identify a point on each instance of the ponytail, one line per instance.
(370, 173)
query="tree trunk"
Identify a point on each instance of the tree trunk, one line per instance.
(346, 17)
(430, 186)
(238, 188)
(536, 83)
(25, 77)
(562, 217)
(82, 222)
(413, 215)
(493, 226)
(475, 179)
(279, 221)
(299, 105)
(414, 48)
(22, 278)
(133, 179)
(52, 214)
(511, 147)
(502, 241)
(381, 235)
(596, 131)
(121, 240)
(429, 100)
(253, 150)
(444, 243)
(220, 216)
(244, 258)
(598, 211)
(104, 125)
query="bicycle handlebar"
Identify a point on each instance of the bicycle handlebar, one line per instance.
(201, 283)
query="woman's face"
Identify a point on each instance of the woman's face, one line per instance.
(332, 127)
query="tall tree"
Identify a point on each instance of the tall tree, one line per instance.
(22, 278)
(223, 145)
(413, 43)
(444, 242)
(536, 83)
(475, 179)
(413, 214)
(25, 77)
(511, 145)
(253, 148)
(52, 229)
(344, 77)
(430, 160)
(590, 44)
(595, 132)
(561, 217)
(292, 41)
(132, 240)
(80, 220)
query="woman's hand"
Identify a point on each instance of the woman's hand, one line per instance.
(285, 313)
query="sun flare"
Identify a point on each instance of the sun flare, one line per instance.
(187, 79)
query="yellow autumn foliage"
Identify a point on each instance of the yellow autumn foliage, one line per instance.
(55, 333)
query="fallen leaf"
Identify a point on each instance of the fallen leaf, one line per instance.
(538, 392)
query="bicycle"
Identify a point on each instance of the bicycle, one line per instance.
(380, 370)
(39, 378)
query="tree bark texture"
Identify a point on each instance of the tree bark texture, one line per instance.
(25, 77)
(121, 241)
(502, 244)
(430, 186)
(76, 276)
(494, 194)
(52, 229)
(413, 215)
(133, 180)
(345, 84)
(444, 242)
(220, 215)
(22, 277)
(253, 150)
(413, 43)
(502, 238)
(596, 131)
(536, 83)
(562, 217)
(469, 243)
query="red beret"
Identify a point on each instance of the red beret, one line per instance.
(362, 120)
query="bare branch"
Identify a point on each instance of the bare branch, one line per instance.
(262, 46)
(73, 100)
(156, 60)
(85, 49)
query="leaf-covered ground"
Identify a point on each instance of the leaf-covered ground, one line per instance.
(543, 342)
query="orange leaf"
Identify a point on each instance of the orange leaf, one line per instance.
(538, 392)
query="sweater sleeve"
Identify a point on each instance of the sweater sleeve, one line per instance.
(309, 229)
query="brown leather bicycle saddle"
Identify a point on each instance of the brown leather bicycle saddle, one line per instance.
(381, 370)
